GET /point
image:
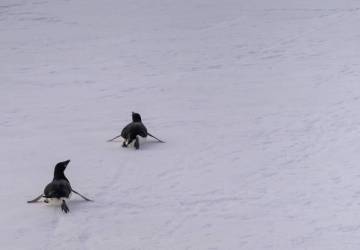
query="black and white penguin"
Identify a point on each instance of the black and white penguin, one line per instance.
(59, 190)
(135, 132)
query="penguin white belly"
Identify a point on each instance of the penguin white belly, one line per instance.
(142, 140)
(56, 201)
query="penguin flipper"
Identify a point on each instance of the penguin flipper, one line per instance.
(82, 196)
(113, 138)
(36, 199)
(155, 137)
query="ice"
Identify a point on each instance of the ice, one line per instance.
(258, 102)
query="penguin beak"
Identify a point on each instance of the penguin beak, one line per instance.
(66, 163)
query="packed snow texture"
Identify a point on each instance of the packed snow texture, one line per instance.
(258, 102)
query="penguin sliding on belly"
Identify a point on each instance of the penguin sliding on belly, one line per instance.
(59, 190)
(134, 132)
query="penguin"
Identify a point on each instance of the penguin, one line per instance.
(59, 190)
(134, 131)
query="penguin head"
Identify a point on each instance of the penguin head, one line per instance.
(136, 117)
(60, 168)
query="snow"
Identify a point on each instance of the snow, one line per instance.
(257, 102)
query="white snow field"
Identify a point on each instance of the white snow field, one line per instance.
(258, 102)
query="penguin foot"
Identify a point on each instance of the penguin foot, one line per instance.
(64, 207)
(137, 144)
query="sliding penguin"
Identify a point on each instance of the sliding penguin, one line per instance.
(134, 131)
(59, 189)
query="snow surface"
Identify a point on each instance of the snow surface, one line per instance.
(258, 102)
